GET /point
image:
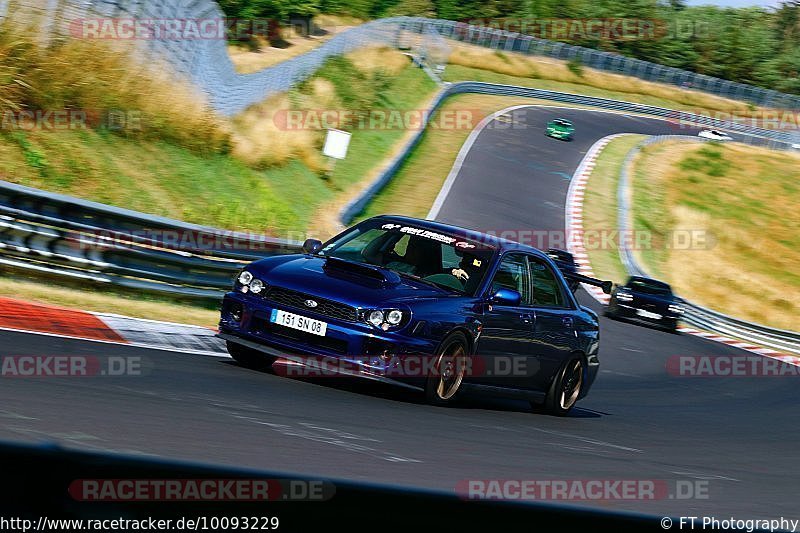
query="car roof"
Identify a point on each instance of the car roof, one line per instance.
(465, 233)
(649, 280)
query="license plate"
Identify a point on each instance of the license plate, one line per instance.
(299, 322)
(648, 314)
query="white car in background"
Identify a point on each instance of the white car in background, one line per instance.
(714, 135)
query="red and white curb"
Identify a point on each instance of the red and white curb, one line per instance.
(575, 245)
(574, 215)
(42, 319)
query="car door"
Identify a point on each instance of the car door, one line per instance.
(506, 331)
(553, 335)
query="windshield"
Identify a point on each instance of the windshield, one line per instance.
(447, 261)
(649, 286)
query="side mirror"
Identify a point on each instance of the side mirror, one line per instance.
(506, 297)
(607, 287)
(311, 246)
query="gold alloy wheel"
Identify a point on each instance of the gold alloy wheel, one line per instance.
(571, 384)
(451, 366)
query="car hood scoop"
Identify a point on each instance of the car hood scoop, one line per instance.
(340, 267)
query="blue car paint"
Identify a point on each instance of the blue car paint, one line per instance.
(434, 313)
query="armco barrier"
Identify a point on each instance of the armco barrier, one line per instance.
(696, 315)
(57, 235)
(61, 236)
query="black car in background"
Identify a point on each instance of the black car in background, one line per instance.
(646, 300)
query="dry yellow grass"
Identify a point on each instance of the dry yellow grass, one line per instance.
(260, 134)
(373, 58)
(247, 61)
(750, 212)
(262, 140)
(106, 79)
(515, 64)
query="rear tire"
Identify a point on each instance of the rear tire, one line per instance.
(566, 387)
(444, 383)
(248, 357)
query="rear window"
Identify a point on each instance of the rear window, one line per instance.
(649, 286)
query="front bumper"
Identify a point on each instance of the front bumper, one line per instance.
(358, 348)
(633, 313)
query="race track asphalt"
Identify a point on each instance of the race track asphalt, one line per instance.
(738, 437)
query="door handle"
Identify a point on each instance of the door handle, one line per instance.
(526, 318)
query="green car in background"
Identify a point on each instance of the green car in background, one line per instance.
(560, 129)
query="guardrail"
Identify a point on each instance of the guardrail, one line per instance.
(65, 237)
(696, 315)
(55, 235)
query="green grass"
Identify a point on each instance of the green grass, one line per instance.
(600, 205)
(213, 189)
(650, 215)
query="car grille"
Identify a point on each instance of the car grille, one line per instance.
(296, 299)
(328, 343)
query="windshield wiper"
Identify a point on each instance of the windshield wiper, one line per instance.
(426, 281)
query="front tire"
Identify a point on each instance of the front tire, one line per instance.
(248, 357)
(444, 383)
(566, 388)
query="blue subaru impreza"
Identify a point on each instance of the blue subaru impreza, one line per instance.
(426, 305)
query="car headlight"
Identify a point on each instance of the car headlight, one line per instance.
(624, 297)
(674, 308)
(394, 317)
(384, 318)
(245, 277)
(375, 318)
(256, 286)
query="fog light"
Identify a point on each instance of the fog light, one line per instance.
(236, 312)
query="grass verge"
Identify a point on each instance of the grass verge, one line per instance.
(600, 206)
(262, 186)
(109, 300)
(249, 59)
(740, 203)
(474, 63)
